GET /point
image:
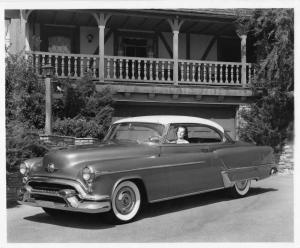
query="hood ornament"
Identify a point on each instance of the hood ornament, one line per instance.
(50, 168)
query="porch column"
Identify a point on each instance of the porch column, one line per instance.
(101, 19)
(243, 58)
(47, 71)
(24, 32)
(175, 26)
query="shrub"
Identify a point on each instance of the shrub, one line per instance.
(24, 100)
(24, 93)
(79, 128)
(22, 143)
(83, 111)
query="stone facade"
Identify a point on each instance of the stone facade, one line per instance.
(13, 183)
(286, 160)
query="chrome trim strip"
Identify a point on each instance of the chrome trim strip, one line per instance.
(227, 182)
(148, 168)
(250, 167)
(99, 207)
(183, 195)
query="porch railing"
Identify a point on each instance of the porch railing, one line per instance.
(133, 69)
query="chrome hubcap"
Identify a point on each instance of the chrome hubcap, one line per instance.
(125, 200)
(241, 184)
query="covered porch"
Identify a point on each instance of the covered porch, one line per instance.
(178, 47)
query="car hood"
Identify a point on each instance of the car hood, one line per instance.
(69, 162)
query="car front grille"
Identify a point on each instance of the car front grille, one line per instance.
(48, 187)
(55, 199)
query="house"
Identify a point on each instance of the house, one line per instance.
(157, 61)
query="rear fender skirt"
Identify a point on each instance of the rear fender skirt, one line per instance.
(252, 173)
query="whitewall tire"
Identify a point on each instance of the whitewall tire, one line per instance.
(241, 188)
(126, 201)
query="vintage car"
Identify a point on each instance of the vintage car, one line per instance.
(143, 160)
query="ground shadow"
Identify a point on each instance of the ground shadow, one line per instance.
(165, 207)
(74, 220)
(101, 221)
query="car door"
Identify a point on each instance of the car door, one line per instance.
(192, 168)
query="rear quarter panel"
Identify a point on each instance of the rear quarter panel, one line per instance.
(246, 161)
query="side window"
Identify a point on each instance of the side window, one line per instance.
(203, 134)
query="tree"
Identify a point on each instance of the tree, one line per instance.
(24, 100)
(269, 118)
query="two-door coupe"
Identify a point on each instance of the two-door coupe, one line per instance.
(140, 160)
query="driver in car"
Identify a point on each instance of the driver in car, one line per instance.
(182, 135)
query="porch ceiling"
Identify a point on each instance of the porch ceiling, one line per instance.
(135, 21)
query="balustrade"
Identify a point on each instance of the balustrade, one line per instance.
(117, 68)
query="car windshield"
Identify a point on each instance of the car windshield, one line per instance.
(135, 132)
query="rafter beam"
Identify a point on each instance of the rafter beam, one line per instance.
(90, 20)
(206, 27)
(213, 40)
(125, 22)
(108, 35)
(190, 27)
(142, 22)
(169, 50)
(155, 27)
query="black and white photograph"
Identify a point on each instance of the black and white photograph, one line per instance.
(147, 123)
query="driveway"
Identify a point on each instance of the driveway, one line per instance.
(265, 215)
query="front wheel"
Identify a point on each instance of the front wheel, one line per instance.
(126, 202)
(241, 188)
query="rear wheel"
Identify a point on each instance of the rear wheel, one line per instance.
(241, 188)
(126, 202)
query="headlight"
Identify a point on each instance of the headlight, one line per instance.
(88, 174)
(24, 169)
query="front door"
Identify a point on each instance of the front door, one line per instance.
(192, 164)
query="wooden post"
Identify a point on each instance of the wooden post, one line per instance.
(47, 73)
(243, 58)
(24, 32)
(101, 19)
(101, 53)
(48, 93)
(175, 26)
(175, 56)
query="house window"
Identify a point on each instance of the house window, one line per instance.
(59, 44)
(136, 44)
(135, 47)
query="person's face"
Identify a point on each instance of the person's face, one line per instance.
(180, 133)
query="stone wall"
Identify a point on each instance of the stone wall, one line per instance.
(286, 160)
(13, 183)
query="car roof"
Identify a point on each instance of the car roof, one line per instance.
(168, 119)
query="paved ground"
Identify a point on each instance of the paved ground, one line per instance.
(266, 215)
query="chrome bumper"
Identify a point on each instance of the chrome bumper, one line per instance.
(70, 200)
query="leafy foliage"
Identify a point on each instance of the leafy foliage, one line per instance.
(268, 120)
(80, 128)
(24, 101)
(86, 111)
(24, 93)
(81, 112)
(22, 143)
